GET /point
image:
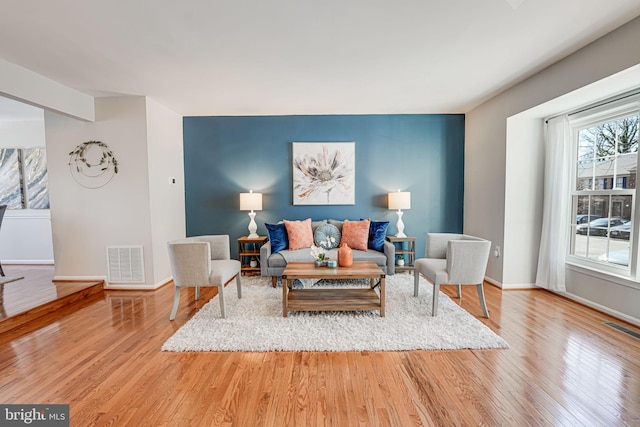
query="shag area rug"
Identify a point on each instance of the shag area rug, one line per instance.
(255, 323)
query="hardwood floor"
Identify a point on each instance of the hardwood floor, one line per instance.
(35, 294)
(563, 367)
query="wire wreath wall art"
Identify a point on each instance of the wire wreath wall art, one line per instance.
(92, 164)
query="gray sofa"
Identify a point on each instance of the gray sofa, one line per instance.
(274, 264)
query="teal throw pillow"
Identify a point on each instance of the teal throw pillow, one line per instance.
(327, 236)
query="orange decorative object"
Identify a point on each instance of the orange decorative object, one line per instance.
(345, 256)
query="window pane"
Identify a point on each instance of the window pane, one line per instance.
(599, 205)
(586, 144)
(606, 139)
(628, 135)
(35, 166)
(621, 208)
(10, 190)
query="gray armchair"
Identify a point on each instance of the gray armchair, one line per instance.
(202, 261)
(454, 259)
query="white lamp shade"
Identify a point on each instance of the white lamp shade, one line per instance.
(400, 200)
(251, 201)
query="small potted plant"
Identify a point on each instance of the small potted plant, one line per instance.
(400, 260)
(319, 255)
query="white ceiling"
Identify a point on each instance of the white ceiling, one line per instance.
(249, 57)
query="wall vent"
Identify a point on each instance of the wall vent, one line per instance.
(622, 329)
(125, 264)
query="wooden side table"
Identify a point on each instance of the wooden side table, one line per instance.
(249, 249)
(405, 246)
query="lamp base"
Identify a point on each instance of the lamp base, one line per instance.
(253, 227)
(400, 225)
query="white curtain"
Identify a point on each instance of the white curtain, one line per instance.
(555, 216)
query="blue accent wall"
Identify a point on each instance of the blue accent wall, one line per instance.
(421, 153)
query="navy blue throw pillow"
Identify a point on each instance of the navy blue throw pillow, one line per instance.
(377, 234)
(278, 237)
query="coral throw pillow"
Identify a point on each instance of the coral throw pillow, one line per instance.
(300, 234)
(356, 234)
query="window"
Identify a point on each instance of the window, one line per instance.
(604, 195)
(23, 178)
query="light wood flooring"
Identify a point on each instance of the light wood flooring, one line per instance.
(563, 367)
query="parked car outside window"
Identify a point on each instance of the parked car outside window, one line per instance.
(582, 219)
(621, 231)
(600, 226)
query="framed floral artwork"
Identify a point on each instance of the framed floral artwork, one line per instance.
(324, 173)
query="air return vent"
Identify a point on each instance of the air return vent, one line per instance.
(125, 264)
(622, 329)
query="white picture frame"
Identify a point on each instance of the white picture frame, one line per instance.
(324, 173)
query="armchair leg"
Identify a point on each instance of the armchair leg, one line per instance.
(416, 281)
(176, 301)
(274, 280)
(239, 285)
(482, 301)
(459, 289)
(197, 293)
(436, 292)
(221, 297)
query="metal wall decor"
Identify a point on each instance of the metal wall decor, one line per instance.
(92, 164)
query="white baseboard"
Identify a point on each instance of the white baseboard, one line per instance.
(601, 308)
(493, 281)
(27, 262)
(137, 286)
(510, 285)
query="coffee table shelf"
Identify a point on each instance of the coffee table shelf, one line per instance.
(333, 299)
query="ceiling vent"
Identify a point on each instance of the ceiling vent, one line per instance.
(125, 264)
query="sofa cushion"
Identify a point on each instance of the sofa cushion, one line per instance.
(377, 235)
(337, 223)
(327, 236)
(300, 234)
(355, 234)
(316, 224)
(281, 259)
(278, 237)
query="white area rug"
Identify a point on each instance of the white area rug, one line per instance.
(255, 323)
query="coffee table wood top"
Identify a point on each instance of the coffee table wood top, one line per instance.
(307, 270)
(328, 299)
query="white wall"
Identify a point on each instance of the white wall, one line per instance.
(137, 207)
(25, 235)
(165, 153)
(85, 221)
(503, 161)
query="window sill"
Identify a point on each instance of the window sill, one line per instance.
(603, 275)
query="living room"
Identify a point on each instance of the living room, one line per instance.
(479, 170)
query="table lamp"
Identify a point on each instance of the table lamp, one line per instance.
(249, 202)
(400, 200)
